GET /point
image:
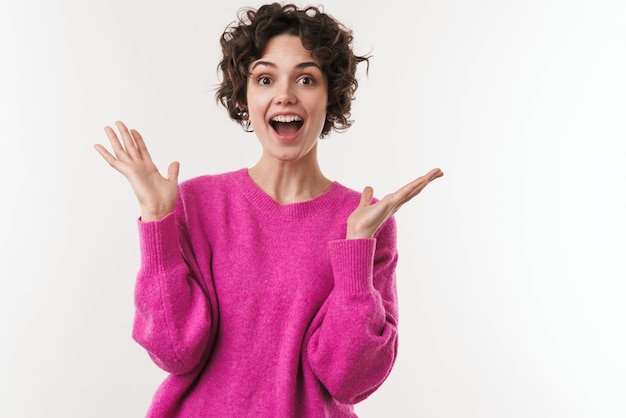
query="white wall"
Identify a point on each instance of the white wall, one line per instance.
(512, 266)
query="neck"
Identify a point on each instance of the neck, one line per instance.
(289, 182)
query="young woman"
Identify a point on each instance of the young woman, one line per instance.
(268, 291)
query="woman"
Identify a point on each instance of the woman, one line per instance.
(268, 291)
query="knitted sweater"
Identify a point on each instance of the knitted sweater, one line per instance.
(258, 309)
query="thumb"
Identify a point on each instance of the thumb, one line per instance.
(366, 196)
(172, 171)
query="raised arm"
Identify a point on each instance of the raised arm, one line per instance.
(353, 344)
(175, 306)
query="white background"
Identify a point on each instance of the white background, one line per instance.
(512, 266)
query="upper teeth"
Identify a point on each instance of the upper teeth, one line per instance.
(286, 118)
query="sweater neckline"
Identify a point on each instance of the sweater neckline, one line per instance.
(264, 202)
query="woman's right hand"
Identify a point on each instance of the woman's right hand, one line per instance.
(156, 194)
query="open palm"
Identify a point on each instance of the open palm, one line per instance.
(365, 220)
(155, 193)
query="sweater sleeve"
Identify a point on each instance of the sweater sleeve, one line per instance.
(354, 346)
(173, 313)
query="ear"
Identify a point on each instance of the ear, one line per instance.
(241, 105)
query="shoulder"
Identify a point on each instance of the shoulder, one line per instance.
(220, 179)
(208, 193)
(211, 182)
(348, 196)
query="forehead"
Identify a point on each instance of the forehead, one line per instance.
(286, 49)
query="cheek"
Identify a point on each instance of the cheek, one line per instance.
(320, 111)
(257, 119)
(258, 102)
(255, 109)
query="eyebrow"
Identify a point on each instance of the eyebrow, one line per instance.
(301, 65)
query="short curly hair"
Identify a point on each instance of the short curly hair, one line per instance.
(329, 41)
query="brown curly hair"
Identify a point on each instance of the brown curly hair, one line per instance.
(244, 41)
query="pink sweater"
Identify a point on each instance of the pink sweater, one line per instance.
(258, 309)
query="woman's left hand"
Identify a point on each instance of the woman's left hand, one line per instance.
(368, 217)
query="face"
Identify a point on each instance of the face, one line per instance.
(287, 100)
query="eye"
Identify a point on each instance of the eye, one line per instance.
(264, 80)
(306, 80)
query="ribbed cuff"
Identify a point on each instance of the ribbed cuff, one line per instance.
(352, 261)
(158, 244)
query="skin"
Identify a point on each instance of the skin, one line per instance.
(155, 193)
(286, 80)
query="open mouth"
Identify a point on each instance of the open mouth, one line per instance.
(286, 124)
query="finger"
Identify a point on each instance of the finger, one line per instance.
(141, 145)
(412, 189)
(173, 170)
(129, 142)
(108, 157)
(118, 149)
(366, 197)
(433, 174)
(104, 152)
(417, 185)
(423, 181)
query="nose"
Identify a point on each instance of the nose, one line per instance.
(285, 94)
